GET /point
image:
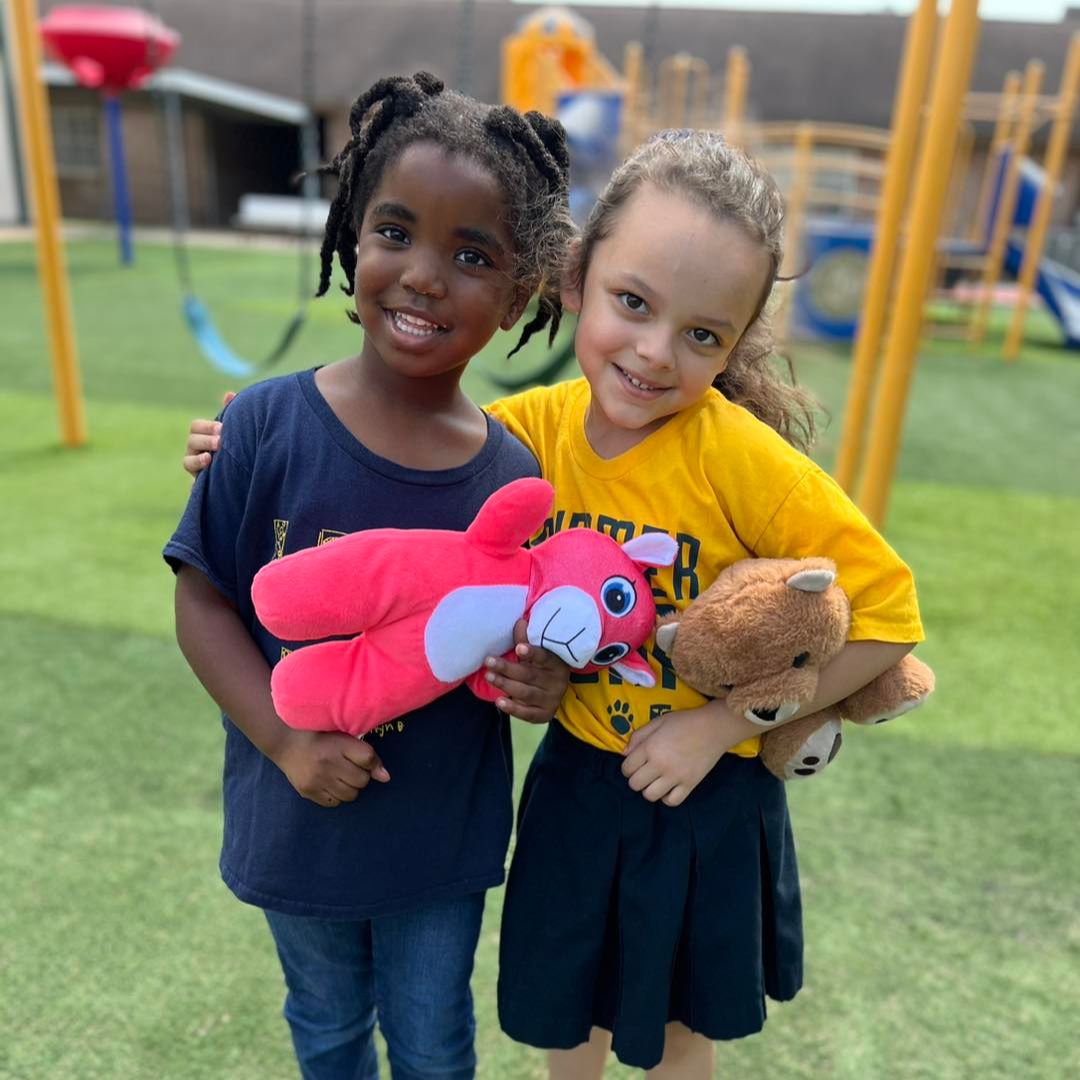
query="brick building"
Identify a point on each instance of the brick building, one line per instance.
(240, 76)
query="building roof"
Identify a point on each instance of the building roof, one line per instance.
(205, 88)
(805, 66)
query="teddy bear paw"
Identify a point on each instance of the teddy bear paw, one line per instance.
(816, 752)
(904, 707)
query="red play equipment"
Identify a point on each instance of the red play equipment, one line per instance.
(110, 49)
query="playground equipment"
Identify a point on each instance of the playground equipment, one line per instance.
(1057, 284)
(200, 323)
(110, 50)
(1007, 236)
(840, 234)
(681, 95)
(950, 80)
(45, 199)
(1006, 200)
(1030, 197)
(831, 175)
(552, 65)
(553, 53)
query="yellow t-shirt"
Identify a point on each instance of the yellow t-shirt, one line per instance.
(726, 487)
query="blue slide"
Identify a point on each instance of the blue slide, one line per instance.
(1057, 285)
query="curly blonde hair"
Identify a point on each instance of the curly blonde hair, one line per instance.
(730, 184)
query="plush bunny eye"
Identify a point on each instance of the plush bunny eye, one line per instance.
(618, 596)
(610, 654)
(800, 660)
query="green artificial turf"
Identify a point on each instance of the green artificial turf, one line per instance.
(940, 859)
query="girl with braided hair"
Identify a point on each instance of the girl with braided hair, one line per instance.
(450, 216)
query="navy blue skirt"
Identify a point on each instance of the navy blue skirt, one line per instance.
(626, 915)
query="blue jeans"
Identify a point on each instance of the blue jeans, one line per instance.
(409, 971)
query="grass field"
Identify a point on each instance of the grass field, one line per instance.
(940, 856)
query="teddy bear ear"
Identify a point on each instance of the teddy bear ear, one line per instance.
(811, 580)
(665, 636)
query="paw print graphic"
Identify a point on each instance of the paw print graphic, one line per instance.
(620, 717)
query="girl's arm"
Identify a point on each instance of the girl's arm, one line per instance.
(669, 757)
(326, 767)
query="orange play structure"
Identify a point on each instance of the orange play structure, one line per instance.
(554, 51)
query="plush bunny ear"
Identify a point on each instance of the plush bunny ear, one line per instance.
(652, 549)
(634, 670)
(811, 580)
(511, 515)
(665, 636)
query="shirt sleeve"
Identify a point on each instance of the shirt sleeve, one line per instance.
(207, 534)
(516, 414)
(817, 518)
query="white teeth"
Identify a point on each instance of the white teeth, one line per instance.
(410, 324)
(637, 382)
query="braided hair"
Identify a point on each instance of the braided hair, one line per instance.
(526, 154)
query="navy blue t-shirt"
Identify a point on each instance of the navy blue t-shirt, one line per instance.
(290, 475)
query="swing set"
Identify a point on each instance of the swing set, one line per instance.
(113, 49)
(211, 343)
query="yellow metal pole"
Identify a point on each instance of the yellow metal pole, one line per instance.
(965, 141)
(951, 75)
(965, 145)
(699, 93)
(1056, 152)
(736, 81)
(678, 108)
(41, 169)
(634, 101)
(1033, 75)
(664, 92)
(795, 220)
(1010, 91)
(907, 118)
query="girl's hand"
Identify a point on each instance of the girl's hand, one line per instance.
(668, 757)
(534, 685)
(328, 767)
(203, 441)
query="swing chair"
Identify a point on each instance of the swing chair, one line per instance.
(200, 323)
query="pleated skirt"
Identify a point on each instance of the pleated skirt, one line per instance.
(626, 915)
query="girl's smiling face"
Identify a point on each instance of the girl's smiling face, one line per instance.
(666, 297)
(434, 262)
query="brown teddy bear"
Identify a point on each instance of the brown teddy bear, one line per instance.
(758, 637)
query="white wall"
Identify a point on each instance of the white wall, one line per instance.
(11, 211)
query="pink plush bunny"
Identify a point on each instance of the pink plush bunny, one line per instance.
(429, 605)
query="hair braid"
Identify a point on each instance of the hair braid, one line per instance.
(371, 115)
(553, 135)
(509, 122)
(544, 141)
